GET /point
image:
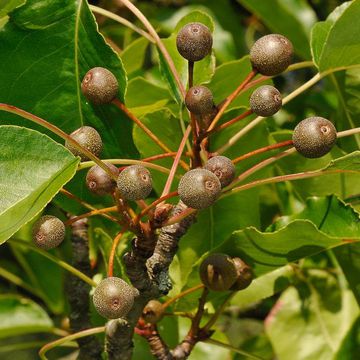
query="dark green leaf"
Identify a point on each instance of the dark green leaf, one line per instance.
(46, 49)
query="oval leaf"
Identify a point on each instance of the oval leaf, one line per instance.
(33, 168)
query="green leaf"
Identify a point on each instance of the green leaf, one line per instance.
(164, 125)
(292, 18)
(46, 48)
(350, 347)
(265, 251)
(133, 56)
(314, 319)
(21, 316)
(264, 286)
(227, 78)
(203, 69)
(335, 218)
(7, 6)
(33, 168)
(335, 43)
(144, 97)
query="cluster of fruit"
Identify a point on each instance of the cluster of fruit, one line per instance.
(198, 188)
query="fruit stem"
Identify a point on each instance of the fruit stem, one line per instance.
(231, 98)
(261, 165)
(232, 348)
(176, 161)
(121, 20)
(87, 164)
(262, 150)
(132, 117)
(153, 204)
(228, 123)
(91, 213)
(348, 132)
(182, 294)
(158, 42)
(190, 74)
(113, 252)
(259, 119)
(86, 205)
(218, 312)
(195, 324)
(68, 338)
(54, 259)
(289, 177)
(26, 115)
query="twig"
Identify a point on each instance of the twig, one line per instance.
(78, 292)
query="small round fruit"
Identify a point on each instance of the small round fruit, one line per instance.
(113, 298)
(153, 312)
(244, 275)
(194, 41)
(218, 272)
(88, 138)
(199, 100)
(265, 101)
(314, 137)
(199, 188)
(99, 182)
(223, 168)
(100, 86)
(271, 54)
(134, 182)
(48, 232)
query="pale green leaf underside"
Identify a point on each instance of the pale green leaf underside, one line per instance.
(33, 168)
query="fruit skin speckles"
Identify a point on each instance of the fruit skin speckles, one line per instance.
(199, 188)
(89, 139)
(113, 298)
(271, 54)
(134, 182)
(48, 232)
(100, 86)
(194, 41)
(223, 168)
(265, 101)
(99, 182)
(199, 100)
(314, 137)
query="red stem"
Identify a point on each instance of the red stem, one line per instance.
(113, 252)
(262, 150)
(231, 98)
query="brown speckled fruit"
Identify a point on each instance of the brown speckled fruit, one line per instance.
(199, 100)
(244, 275)
(99, 182)
(314, 137)
(265, 101)
(194, 41)
(271, 54)
(113, 298)
(218, 272)
(223, 168)
(48, 232)
(134, 182)
(153, 311)
(199, 188)
(100, 86)
(88, 138)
